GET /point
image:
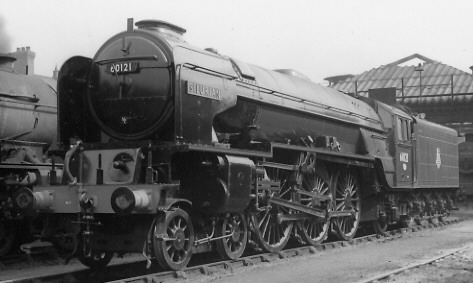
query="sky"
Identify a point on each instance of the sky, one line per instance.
(317, 38)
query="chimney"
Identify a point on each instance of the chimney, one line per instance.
(471, 68)
(25, 60)
(55, 73)
(6, 63)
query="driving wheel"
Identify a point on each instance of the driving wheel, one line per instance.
(347, 198)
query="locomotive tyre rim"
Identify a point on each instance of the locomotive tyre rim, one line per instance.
(97, 260)
(347, 196)
(232, 247)
(7, 238)
(270, 235)
(314, 230)
(175, 250)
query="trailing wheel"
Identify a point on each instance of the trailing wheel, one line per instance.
(380, 226)
(7, 238)
(233, 225)
(271, 234)
(173, 239)
(347, 198)
(314, 230)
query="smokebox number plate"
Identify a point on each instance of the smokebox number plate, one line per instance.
(122, 67)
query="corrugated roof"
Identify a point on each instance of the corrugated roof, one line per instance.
(429, 83)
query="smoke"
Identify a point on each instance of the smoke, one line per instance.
(5, 44)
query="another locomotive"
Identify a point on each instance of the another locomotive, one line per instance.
(172, 150)
(27, 129)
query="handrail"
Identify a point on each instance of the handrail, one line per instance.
(32, 98)
(67, 159)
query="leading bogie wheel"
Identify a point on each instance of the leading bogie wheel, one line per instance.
(66, 235)
(173, 239)
(96, 260)
(347, 198)
(234, 230)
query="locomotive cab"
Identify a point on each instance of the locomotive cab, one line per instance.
(424, 154)
(399, 128)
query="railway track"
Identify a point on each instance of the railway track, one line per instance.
(136, 271)
(31, 254)
(387, 276)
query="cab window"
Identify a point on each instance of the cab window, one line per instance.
(403, 129)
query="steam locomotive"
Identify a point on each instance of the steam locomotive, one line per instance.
(27, 129)
(171, 150)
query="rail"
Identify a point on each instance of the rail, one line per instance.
(120, 273)
(424, 262)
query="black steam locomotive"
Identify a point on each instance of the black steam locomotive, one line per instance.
(172, 150)
(27, 129)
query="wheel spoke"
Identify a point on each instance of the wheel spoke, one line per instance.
(265, 229)
(266, 212)
(283, 194)
(269, 236)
